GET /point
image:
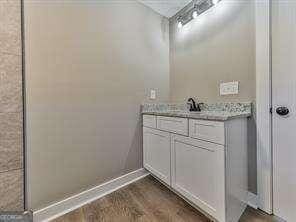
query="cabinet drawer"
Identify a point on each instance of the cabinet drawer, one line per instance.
(211, 131)
(149, 121)
(173, 124)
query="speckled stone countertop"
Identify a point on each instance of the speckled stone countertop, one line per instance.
(214, 111)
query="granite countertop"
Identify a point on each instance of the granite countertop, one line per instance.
(214, 111)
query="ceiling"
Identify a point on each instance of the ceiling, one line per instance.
(167, 8)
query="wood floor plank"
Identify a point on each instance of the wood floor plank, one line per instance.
(98, 210)
(252, 215)
(165, 200)
(147, 200)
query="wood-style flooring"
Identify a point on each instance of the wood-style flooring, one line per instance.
(146, 200)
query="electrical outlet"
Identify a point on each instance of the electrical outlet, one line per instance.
(229, 88)
(152, 94)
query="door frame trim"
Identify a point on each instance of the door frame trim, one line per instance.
(263, 105)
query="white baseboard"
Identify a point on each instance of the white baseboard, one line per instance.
(62, 207)
(252, 200)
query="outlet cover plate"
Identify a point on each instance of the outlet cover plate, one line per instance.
(152, 94)
(229, 88)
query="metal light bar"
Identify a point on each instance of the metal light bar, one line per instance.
(195, 11)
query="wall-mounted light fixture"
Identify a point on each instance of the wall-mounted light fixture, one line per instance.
(195, 12)
(199, 7)
(215, 2)
(180, 22)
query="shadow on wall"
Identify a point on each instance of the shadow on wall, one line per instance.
(136, 150)
(252, 152)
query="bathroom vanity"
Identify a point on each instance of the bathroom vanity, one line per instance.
(202, 156)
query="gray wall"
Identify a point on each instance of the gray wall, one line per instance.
(89, 65)
(219, 46)
(11, 110)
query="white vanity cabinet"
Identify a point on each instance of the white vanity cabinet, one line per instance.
(198, 173)
(203, 161)
(156, 153)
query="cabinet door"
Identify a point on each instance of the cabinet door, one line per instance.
(198, 173)
(156, 150)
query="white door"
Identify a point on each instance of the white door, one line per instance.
(157, 151)
(284, 100)
(198, 173)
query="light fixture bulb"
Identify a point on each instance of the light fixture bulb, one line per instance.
(194, 14)
(215, 2)
(180, 24)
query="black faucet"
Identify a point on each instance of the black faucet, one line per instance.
(193, 106)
